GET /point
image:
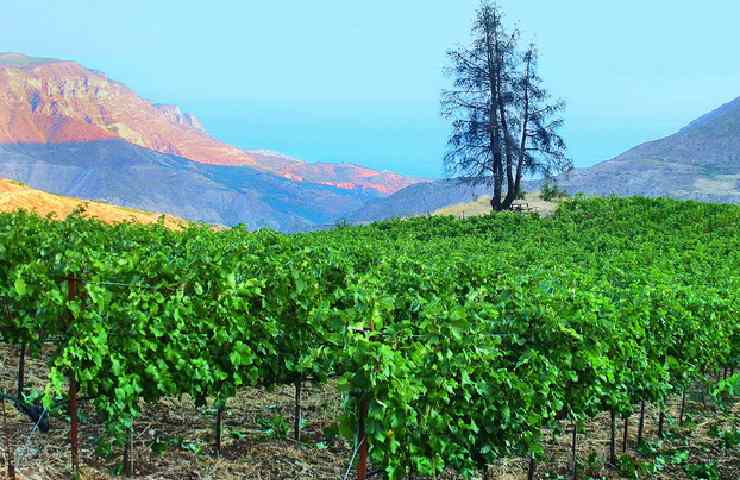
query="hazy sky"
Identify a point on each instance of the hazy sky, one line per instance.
(359, 81)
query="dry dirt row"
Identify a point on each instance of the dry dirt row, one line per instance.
(174, 440)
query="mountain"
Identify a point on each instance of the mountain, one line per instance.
(118, 172)
(54, 101)
(16, 196)
(699, 162)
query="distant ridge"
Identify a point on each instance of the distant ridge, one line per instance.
(117, 172)
(72, 131)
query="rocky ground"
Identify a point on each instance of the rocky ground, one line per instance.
(482, 206)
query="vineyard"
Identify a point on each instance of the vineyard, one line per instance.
(454, 343)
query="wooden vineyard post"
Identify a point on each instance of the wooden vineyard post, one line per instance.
(73, 420)
(361, 434)
(128, 455)
(661, 422)
(297, 410)
(362, 439)
(21, 370)
(624, 437)
(612, 438)
(574, 459)
(125, 459)
(532, 468)
(641, 425)
(219, 423)
(9, 450)
(683, 406)
(74, 442)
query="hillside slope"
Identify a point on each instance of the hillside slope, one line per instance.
(54, 101)
(118, 172)
(700, 162)
(421, 198)
(17, 196)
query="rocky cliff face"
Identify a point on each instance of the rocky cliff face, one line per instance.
(178, 117)
(53, 101)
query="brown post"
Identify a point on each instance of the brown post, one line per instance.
(532, 468)
(297, 410)
(683, 406)
(9, 450)
(128, 455)
(362, 439)
(641, 425)
(573, 451)
(219, 419)
(73, 420)
(74, 426)
(361, 435)
(21, 370)
(126, 459)
(612, 439)
(661, 421)
(624, 437)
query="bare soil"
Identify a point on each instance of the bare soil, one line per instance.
(175, 440)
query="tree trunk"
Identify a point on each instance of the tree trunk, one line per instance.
(494, 143)
(525, 124)
(504, 137)
(508, 147)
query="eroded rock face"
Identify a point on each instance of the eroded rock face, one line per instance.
(175, 115)
(54, 101)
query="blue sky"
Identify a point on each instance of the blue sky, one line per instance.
(359, 81)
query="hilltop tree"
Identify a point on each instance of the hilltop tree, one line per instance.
(504, 126)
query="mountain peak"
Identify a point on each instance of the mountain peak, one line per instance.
(728, 115)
